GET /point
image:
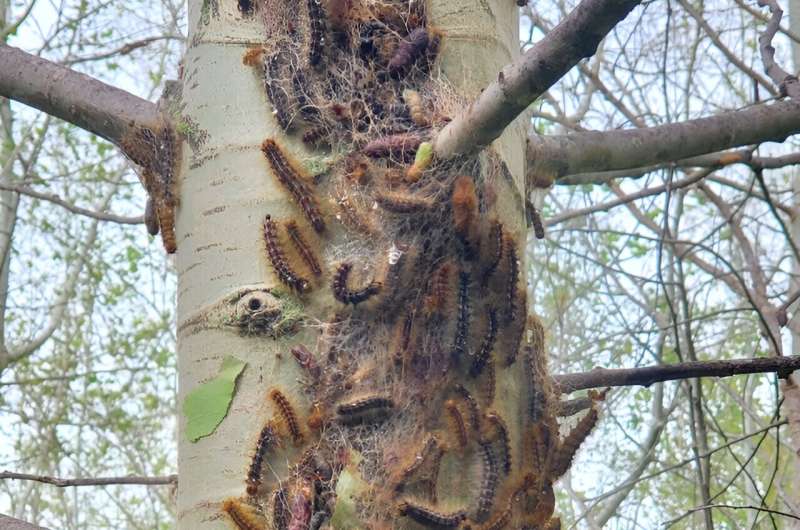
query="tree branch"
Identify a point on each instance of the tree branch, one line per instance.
(521, 82)
(9, 523)
(553, 157)
(77, 98)
(97, 481)
(646, 376)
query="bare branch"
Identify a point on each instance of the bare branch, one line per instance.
(96, 481)
(787, 82)
(77, 98)
(521, 82)
(646, 376)
(552, 157)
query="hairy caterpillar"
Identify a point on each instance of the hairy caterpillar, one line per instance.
(484, 353)
(306, 359)
(253, 56)
(280, 509)
(355, 217)
(276, 94)
(462, 322)
(316, 19)
(342, 293)
(303, 248)
(500, 433)
(286, 411)
(459, 428)
(243, 516)
(563, 456)
(294, 181)
(513, 277)
(150, 217)
(438, 296)
(433, 473)
(278, 259)
(465, 214)
(488, 483)
(488, 386)
(401, 146)
(364, 404)
(427, 516)
(266, 441)
(472, 407)
(416, 108)
(430, 445)
(496, 234)
(408, 51)
(398, 202)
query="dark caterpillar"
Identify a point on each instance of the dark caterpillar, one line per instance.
(278, 259)
(343, 294)
(408, 52)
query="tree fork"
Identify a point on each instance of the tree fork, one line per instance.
(646, 376)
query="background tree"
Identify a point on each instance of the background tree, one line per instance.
(703, 288)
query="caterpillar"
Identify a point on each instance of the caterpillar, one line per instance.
(408, 51)
(513, 277)
(286, 411)
(544, 508)
(308, 110)
(316, 19)
(462, 322)
(345, 295)
(150, 217)
(427, 516)
(496, 234)
(459, 428)
(416, 108)
(278, 259)
(465, 214)
(538, 226)
(488, 483)
(364, 404)
(430, 445)
(398, 202)
(354, 217)
(500, 434)
(563, 456)
(472, 406)
(253, 56)
(276, 94)
(280, 509)
(306, 360)
(485, 351)
(266, 441)
(402, 336)
(293, 180)
(438, 297)
(501, 520)
(242, 516)
(402, 146)
(433, 473)
(490, 382)
(303, 248)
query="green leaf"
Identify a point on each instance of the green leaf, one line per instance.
(206, 405)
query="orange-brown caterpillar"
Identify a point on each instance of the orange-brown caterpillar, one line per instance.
(430, 445)
(364, 404)
(496, 234)
(459, 428)
(408, 51)
(293, 180)
(342, 293)
(465, 214)
(472, 406)
(278, 259)
(538, 226)
(485, 351)
(500, 433)
(286, 412)
(316, 38)
(243, 517)
(562, 458)
(489, 481)
(462, 322)
(303, 248)
(513, 277)
(253, 56)
(416, 109)
(438, 296)
(276, 94)
(266, 441)
(399, 202)
(401, 146)
(427, 516)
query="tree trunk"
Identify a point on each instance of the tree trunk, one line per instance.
(226, 189)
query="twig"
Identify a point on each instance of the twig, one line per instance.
(646, 376)
(669, 523)
(96, 481)
(521, 82)
(787, 82)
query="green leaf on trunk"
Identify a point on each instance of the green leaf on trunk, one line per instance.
(206, 405)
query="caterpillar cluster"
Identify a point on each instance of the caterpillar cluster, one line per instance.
(428, 311)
